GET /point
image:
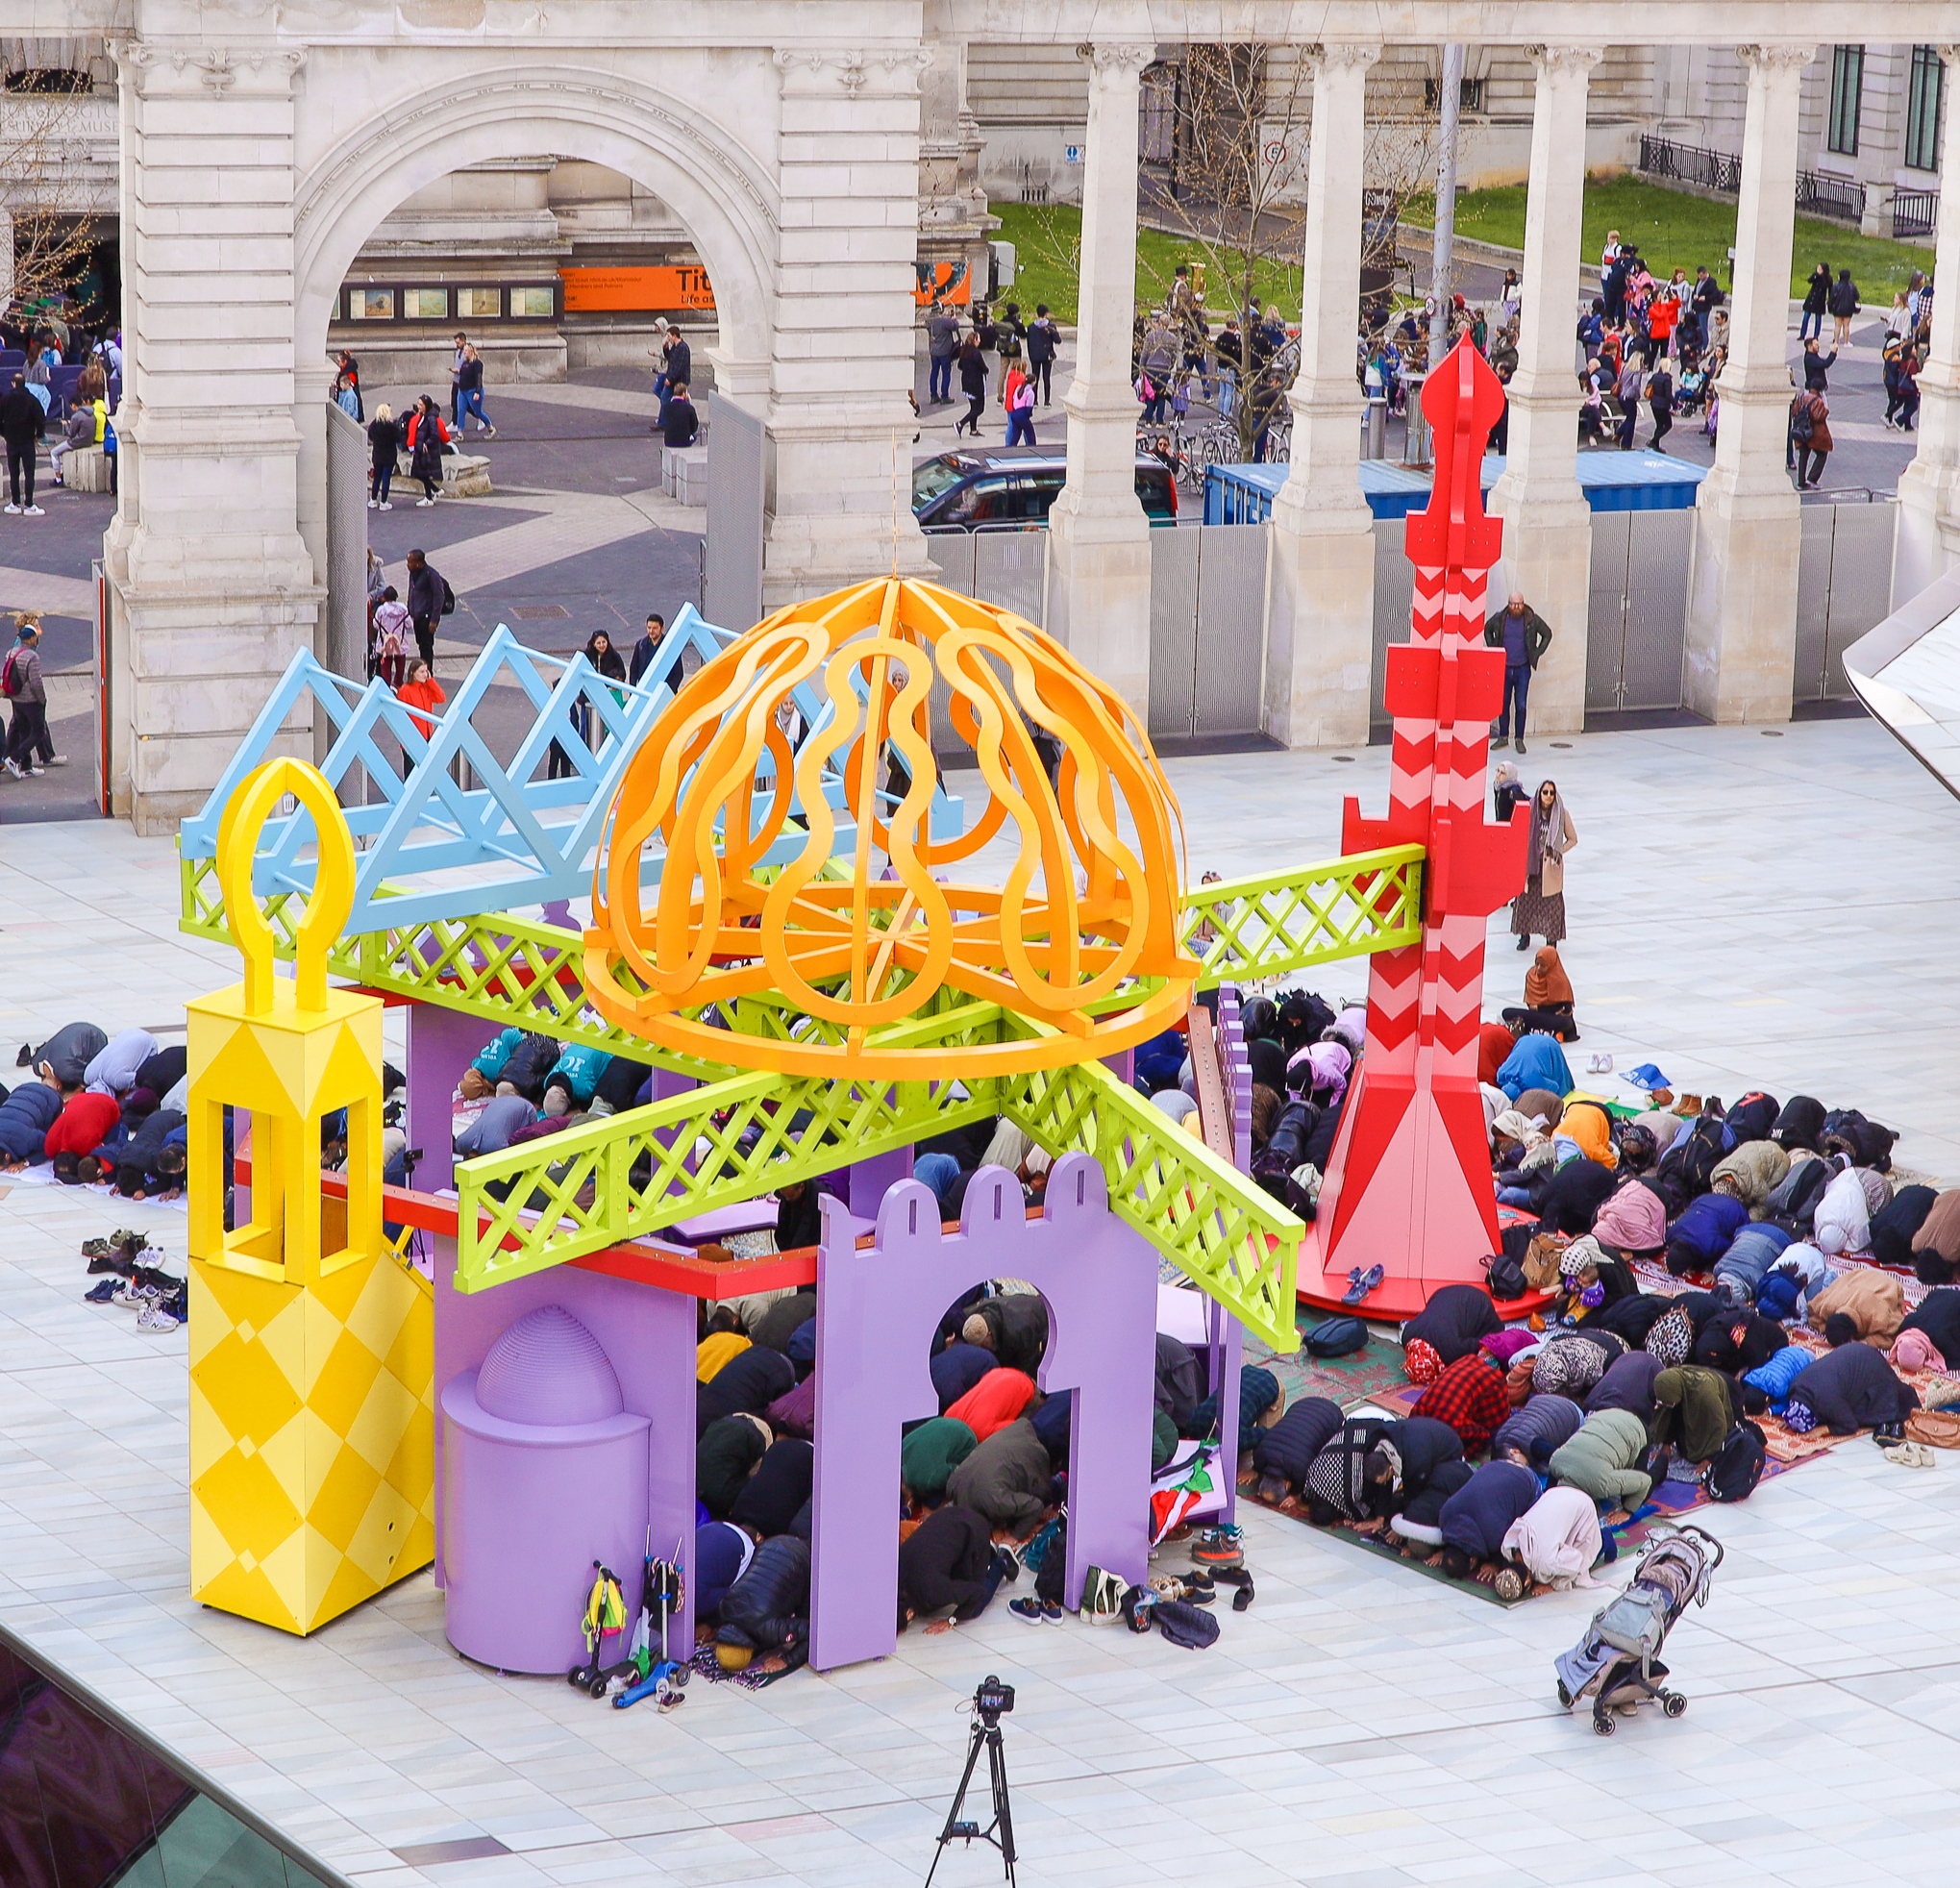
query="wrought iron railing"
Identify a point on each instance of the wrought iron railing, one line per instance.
(1915, 213)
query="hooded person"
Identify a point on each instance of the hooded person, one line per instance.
(957, 1369)
(1694, 1411)
(1590, 1129)
(1841, 1222)
(1913, 1350)
(725, 1453)
(1602, 1459)
(768, 1608)
(1327, 1067)
(1937, 1318)
(1008, 1479)
(748, 1382)
(1873, 1301)
(1639, 1151)
(1536, 1062)
(1738, 1341)
(1177, 1380)
(1471, 1396)
(1936, 1245)
(1800, 1123)
(1627, 1384)
(1494, 1042)
(1475, 1519)
(1337, 1485)
(1573, 1195)
(770, 1500)
(997, 1400)
(1546, 986)
(1452, 1323)
(1282, 1454)
(1268, 1061)
(950, 1563)
(112, 1069)
(1349, 1029)
(1633, 1222)
(1850, 1387)
(1557, 1538)
(1705, 1231)
(1751, 1173)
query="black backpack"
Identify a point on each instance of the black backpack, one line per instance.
(1692, 1160)
(1799, 1124)
(1506, 1278)
(1753, 1116)
(1338, 1338)
(1803, 419)
(1738, 1465)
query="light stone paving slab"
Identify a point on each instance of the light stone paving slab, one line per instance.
(1357, 1725)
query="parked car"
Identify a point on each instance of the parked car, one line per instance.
(1004, 486)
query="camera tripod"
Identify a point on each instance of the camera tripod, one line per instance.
(1001, 1830)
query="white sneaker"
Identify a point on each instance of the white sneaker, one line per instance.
(33, 511)
(385, 505)
(422, 504)
(37, 770)
(14, 769)
(58, 760)
(374, 505)
(14, 510)
(489, 432)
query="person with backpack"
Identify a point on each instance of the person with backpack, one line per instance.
(1843, 305)
(22, 685)
(430, 600)
(1810, 439)
(22, 422)
(1044, 342)
(392, 628)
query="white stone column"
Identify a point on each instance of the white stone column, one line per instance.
(1320, 624)
(1099, 590)
(1548, 523)
(1742, 596)
(214, 586)
(839, 476)
(1929, 540)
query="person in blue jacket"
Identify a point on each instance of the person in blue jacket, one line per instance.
(1704, 1232)
(25, 1117)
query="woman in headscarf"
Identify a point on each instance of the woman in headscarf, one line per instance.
(1319, 1072)
(1494, 1042)
(1589, 1129)
(1548, 998)
(1843, 1220)
(1632, 1224)
(1936, 1245)
(1540, 907)
(1557, 1539)
(1536, 1062)
(1337, 1485)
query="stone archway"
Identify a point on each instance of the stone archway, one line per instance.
(727, 201)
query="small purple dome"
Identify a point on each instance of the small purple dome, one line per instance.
(550, 1372)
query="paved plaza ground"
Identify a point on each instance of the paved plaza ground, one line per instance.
(1772, 908)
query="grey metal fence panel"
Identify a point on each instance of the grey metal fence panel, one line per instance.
(1860, 584)
(1174, 633)
(1231, 627)
(733, 576)
(1395, 596)
(1813, 601)
(1606, 613)
(1657, 551)
(952, 552)
(1008, 568)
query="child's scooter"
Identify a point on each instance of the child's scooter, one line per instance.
(604, 1619)
(664, 1682)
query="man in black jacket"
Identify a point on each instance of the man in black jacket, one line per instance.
(21, 425)
(1817, 366)
(1043, 339)
(426, 591)
(679, 368)
(1523, 635)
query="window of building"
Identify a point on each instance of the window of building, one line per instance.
(1847, 87)
(479, 304)
(370, 305)
(1923, 109)
(425, 304)
(533, 304)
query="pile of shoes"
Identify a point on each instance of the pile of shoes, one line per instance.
(161, 1301)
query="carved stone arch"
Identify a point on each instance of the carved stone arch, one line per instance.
(726, 200)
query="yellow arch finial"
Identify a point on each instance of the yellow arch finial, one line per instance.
(332, 899)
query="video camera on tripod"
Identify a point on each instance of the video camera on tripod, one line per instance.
(992, 1701)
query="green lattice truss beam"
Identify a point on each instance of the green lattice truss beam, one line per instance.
(729, 1138)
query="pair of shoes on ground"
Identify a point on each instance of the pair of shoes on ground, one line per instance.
(25, 511)
(1360, 1284)
(1196, 1586)
(124, 1243)
(1032, 1611)
(1214, 1548)
(1905, 1454)
(1600, 1064)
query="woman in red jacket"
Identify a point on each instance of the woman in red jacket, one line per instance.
(421, 690)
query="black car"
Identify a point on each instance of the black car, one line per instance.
(1009, 486)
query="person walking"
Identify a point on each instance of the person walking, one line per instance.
(1660, 403)
(611, 666)
(1044, 342)
(30, 748)
(972, 382)
(942, 342)
(1633, 377)
(1523, 635)
(23, 423)
(1908, 392)
(645, 649)
(430, 600)
(682, 421)
(1810, 436)
(427, 436)
(680, 369)
(1010, 333)
(1816, 302)
(1020, 404)
(1843, 305)
(1540, 907)
(471, 386)
(384, 443)
(462, 341)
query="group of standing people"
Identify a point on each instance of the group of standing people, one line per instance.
(1024, 351)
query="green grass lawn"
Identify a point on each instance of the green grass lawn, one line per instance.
(1672, 229)
(1048, 239)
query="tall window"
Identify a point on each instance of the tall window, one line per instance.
(1923, 109)
(1846, 83)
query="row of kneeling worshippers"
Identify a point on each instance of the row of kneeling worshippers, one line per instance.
(978, 1483)
(100, 1110)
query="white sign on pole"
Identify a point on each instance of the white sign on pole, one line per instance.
(1071, 154)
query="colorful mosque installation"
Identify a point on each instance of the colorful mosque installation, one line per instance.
(779, 928)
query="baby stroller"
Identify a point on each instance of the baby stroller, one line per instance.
(1617, 1662)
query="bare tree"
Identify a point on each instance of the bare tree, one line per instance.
(53, 188)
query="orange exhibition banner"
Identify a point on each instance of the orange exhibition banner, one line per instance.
(652, 291)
